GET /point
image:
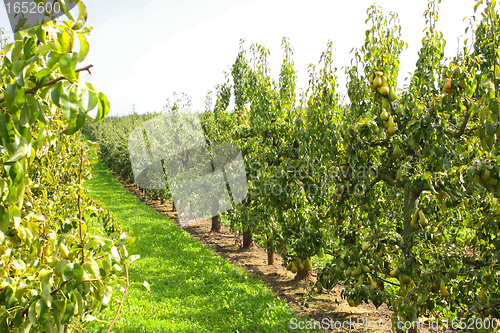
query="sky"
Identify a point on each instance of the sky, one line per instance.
(143, 52)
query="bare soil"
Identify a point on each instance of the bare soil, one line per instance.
(254, 260)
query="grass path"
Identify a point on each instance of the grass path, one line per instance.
(192, 290)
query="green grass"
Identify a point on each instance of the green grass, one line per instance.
(192, 289)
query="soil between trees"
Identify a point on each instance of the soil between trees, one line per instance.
(328, 304)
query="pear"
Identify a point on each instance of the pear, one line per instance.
(377, 82)
(447, 86)
(392, 94)
(372, 77)
(423, 220)
(397, 152)
(485, 177)
(64, 251)
(391, 130)
(46, 250)
(357, 272)
(444, 292)
(364, 246)
(405, 278)
(393, 273)
(414, 219)
(294, 268)
(492, 181)
(385, 103)
(482, 295)
(379, 73)
(384, 90)
(289, 266)
(301, 265)
(399, 175)
(308, 265)
(440, 195)
(384, 115)
(370, 281)
(366, 269)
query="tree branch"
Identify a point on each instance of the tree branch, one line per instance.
(51, 82)
(461, 130)
(123, 297)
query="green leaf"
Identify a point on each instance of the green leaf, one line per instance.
(78, 273)
(18, 67)
(132, 258)
(4, 220)
(92, 100)
(16, 51)
(42, 73)
(15, 215)
(4, 327)
(91, 267)
(88, 318)
(67, 65)
(32, 313)
(115, 256)
(55, 94)
(107, 295)
(22, 150)
(68, 272)
(82, 16)
(103, 107)
(84, 46)
(76, 124)
(7, 131)
(68, 312)
(43, 313)
(14, 96)
(494, 107)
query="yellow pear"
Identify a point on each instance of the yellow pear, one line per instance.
(393, 273)
(447, 86)
(370, 281)
(482, 295)
(364, 246)
(384, 115)
(377, 82)
(414, 219)
(301, 265)
(423, 220)
(444, 292)
(308, 265)
(392, 94)
(64, 251)
(384, 90)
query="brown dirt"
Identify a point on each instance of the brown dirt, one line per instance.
(254, 260)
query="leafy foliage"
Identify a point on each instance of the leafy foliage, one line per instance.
(56, 266)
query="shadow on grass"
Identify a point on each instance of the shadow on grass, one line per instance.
(191, 288)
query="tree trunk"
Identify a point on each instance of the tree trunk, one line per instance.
(270, 251)
(410, 206)
(270, 257)
(247, 238)
(216, 225)
(175, 202)
(412, 200)
(302, 274)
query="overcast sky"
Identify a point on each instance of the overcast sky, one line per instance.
(144, 51)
